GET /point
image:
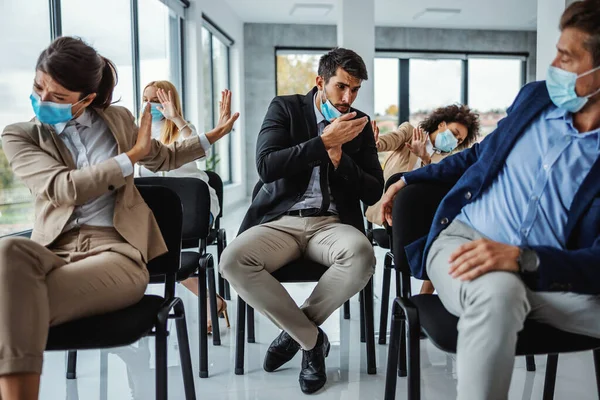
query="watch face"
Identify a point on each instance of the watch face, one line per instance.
(529, 260)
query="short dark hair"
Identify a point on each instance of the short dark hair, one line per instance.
(346, 59)
(585, 16)
(78, 67)
(455, 113)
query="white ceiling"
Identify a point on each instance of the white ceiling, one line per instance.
(474, 14)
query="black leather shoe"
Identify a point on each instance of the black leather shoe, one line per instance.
(281, 350)
(313, 375)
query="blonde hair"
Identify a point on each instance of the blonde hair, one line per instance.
(170, 131)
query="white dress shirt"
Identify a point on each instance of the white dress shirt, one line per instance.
(313, 198)
(90, 142)
(189, 170)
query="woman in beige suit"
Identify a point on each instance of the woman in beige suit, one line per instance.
(93, 233)
(445, 131)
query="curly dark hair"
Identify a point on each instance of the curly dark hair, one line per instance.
(455, 113)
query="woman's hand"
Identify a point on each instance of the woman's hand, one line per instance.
(144, 137)
(167, 106)
(419, 144)
(226, 120)
(375, 131)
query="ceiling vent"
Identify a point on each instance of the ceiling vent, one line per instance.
(310, 10)
(436, 14)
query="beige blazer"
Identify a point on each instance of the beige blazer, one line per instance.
(401, 159)
(40, 159)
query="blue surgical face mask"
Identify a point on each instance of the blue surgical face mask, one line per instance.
(328, 110)
(446, 141)
(561, 87)
(156, 115)
(51, 113)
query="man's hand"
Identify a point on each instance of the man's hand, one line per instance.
(335, 155)
(342, 130)
(387, 201)
(375, 130)
(473, 259)
(144, 137)
(226, 120)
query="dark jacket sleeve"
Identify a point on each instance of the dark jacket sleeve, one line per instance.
(276, 157)
(362, 173)
(568, 270)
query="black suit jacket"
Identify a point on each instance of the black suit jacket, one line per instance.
(287, 150)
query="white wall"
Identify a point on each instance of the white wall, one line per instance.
(548, 18)
(223, 16)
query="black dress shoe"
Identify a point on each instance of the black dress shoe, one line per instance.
(281, 350)
(313, 374)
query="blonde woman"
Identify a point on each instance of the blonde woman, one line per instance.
(169, 126)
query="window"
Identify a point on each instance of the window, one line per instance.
(296, 72)
(493, 85)
(433, 83)
(160, 52)
(90, 21)
(216, 78)
(23, 42)
(107, 26)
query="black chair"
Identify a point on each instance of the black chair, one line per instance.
(217, 235)
(414, 208)
(147, 317)
(298, 271)
(195, 200)
(382, 237)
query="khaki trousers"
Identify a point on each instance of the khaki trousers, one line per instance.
(247, 263)
(492, 310)
(86, 271)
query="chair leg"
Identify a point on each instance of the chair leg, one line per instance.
(347, 309)
(385, 301)
(212, 294)
(203, 334)
(224, 290)
(72, 364)
(393, 353)
(398, 285)
(530, 362)
(251, 337)
(161, 361)
(550, 381)
(240, 336)
(413, 354)
(184, 353)
(597, 369)
(362, 316)
(402, 356)
(367, 306)
(103, 375)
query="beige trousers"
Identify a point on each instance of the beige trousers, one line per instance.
(247, 263)
(86, 271)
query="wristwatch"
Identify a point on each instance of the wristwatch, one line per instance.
(528, 261)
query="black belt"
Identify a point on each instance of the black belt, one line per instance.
(310, 212)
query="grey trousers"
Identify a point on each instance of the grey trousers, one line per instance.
(492, 310)
(247, 263)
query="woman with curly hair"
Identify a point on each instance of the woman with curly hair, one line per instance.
(446, 130)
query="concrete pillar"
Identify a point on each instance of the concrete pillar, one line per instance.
(356, 31)
(548, 18)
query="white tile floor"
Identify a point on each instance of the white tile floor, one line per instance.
(131, 369)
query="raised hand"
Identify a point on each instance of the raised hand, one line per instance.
(418, 145)
(144, 137)
(167, 106)
(375, 130)
(226, 120)
(342, 130)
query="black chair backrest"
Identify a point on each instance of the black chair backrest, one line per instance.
(215, 182)
(167, 210)
(413, 212)
(195, 199)
(256, 189)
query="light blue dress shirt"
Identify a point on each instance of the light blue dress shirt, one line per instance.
(528, 202)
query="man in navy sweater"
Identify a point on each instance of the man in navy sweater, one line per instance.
(518, 236)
